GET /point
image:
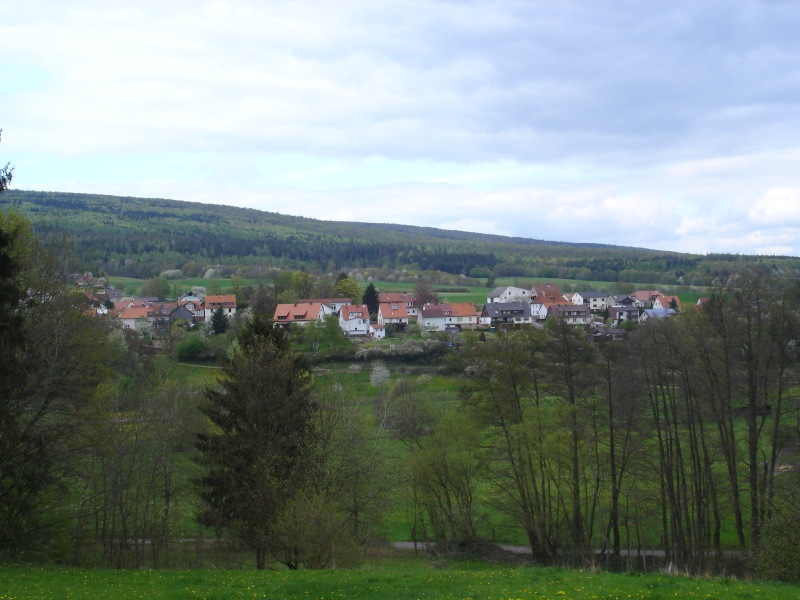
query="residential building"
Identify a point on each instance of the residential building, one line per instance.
(503, 314)
(354, 320)
(508, 293)
(300, 313)
(596, 301)
(448, 316)
(620, 314)
(571, 313)
(227, 302)
(393, 313)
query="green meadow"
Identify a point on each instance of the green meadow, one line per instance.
(402, 579)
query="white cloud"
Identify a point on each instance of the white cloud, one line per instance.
(778, 206)
(668, 125)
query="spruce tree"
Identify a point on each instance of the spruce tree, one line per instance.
(255, 452)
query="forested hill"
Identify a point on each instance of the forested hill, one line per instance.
(140, 237)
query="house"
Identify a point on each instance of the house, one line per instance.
(508, 293)
(182, 313)
(393, 313)
(595, 300)
(538, 311)
(227, 302)
(136, 318)
(377, 332)
(619, 300)
(499, 314)
(335, 304)
(656, 313)
(570, 313)
(354, 320)
(547, 292)
(410, 300)
(667, 302)
(300, 313)
(619, 314)
(645, 298)
(453, 316)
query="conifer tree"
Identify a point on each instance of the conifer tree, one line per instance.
(255, 452)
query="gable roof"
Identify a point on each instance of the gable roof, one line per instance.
(547, 291)
(293, 313)
(393, 310)
(221, 300)
(135, 312)
(355, 311)
(505, 309)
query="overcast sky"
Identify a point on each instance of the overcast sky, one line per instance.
(664, 124)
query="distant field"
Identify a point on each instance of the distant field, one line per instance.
(408, 578)
(475, 294)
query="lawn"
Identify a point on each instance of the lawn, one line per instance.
(404, 579)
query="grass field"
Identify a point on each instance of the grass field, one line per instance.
(405, 579)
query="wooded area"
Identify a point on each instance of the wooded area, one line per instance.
(142, 238)
(682, 438)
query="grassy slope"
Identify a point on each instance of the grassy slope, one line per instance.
(406, 579)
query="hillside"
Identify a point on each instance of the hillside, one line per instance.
(139, 237)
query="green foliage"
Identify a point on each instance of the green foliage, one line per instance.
(51, 358)
(142, 238)
(191, 348)
(219, 321)
(400, 578)
(255, 452)
(348, 287)
(371, 299)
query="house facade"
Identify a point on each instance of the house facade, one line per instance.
(571, 313)
(453, 316)
(503, 314)
(508, 294)
(354, 320)
(393, 313)
(596, 301)
(620, 314)
(227, 302)
(300, 313)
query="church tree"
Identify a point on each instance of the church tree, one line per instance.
(255, 451)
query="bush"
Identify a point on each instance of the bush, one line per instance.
(192, 348)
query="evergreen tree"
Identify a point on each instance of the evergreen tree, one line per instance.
(255, 452)
(371, 298)
(219, 321)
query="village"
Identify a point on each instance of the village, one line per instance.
(605, 316)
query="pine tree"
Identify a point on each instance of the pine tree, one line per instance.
(255, 452)
(219, 321)
(371, 298)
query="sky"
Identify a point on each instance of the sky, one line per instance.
(672, 125)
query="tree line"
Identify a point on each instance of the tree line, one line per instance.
(682, 438)
(141, 238)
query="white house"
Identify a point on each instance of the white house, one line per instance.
(595, 300)
(508, 294)
(354, 320)
(455, 315)
(574, 315)
(377, 332)
(227, 302)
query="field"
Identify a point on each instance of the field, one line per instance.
(476, 295)
(402, 579)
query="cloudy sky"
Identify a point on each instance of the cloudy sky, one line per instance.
(664, 124)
